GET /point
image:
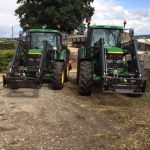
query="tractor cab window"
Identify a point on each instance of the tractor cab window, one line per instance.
(112, 37)
(37, 40)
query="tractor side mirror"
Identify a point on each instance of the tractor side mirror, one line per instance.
(131, 32)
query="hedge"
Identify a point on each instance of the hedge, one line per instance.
(5, 59)
(7, 45)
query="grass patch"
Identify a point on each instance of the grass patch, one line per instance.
(131, 127)
(119, 116)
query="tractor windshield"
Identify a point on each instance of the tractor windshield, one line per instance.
(37, 40)
(112, 37)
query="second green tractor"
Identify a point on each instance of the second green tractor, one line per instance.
(110, 62)
(40, 57)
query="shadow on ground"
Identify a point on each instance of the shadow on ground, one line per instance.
(23, 93)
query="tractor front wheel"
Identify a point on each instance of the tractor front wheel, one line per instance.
(58, 75)
(85, 78)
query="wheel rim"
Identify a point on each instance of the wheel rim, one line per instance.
(62, 77)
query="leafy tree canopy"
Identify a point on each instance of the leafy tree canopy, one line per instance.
(69, 14)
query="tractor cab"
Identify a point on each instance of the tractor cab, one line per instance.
(112, 36)
(41, 43)
(39, 39)
(39, 36)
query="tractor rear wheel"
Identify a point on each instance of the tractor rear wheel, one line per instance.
(58, 75)
(85, 78)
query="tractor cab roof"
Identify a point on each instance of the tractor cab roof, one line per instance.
(106, 27)
(43, 31)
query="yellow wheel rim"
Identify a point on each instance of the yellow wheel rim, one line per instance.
(67, 70)
(62, 77)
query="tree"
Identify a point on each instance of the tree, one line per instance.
(68, 14)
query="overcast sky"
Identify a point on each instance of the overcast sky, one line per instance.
(136, 12)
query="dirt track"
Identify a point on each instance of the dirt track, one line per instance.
(46, 119)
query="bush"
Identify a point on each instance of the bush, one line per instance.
(7, 45)
(5, 58)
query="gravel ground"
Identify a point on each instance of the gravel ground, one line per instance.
(51, 120)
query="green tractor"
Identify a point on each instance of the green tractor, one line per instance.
(40, 57)
(109, 61)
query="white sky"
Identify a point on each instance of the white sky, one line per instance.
(8, 18)
(112, 12)
(106, 12)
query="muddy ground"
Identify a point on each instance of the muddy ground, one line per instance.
(45, 119)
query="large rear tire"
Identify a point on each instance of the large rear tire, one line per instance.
(58, 76)
(85, 78)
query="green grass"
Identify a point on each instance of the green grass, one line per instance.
(3, 52)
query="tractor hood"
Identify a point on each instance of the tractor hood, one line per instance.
(115, 50)
(35, 51)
